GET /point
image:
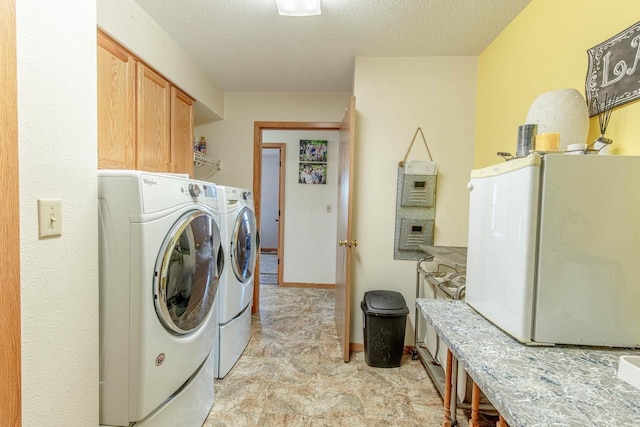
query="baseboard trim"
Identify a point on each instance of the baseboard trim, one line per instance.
(308, 285)
(358, 347)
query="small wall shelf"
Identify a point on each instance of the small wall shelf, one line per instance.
(200, 159)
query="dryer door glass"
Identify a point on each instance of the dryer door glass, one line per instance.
(187, 272)
(244, 245)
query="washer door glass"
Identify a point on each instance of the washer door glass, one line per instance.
(244, 245)
(188, 272)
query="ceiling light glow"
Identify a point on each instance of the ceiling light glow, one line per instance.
(298, 7)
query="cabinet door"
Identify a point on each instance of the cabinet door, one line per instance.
(116, 106)
(154, 99)
(181, 132)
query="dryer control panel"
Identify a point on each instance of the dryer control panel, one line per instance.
(161, 192)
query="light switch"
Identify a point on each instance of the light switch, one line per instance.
(328, 208)
(50, 217)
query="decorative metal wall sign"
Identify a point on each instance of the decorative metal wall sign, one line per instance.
(614, 69)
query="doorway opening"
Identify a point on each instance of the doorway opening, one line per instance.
(258, 146)
(272, 213)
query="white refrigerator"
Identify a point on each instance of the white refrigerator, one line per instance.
(554, 248)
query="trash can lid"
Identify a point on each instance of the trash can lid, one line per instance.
(385, 303)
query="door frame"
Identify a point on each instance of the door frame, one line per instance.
(258, 127)
(282, 157)
(10, 324)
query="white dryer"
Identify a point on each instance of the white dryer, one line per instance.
(160, 262)
(235, 294)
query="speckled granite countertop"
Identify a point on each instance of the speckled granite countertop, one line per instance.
(536, 386)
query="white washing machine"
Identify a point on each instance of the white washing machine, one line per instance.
(235, 294)
(160, 262)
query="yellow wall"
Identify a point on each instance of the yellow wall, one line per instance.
(543, 49)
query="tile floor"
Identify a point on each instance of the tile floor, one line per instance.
(269, 268)
(292, 374)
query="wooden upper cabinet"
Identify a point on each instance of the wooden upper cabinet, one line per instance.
(144, 122)
(154, 121)
(181, 132)
(116, 106)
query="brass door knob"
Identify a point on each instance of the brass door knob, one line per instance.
(342, 242)
(347, 243)
(354, 243)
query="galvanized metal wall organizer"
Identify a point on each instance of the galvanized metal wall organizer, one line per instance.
(415, 204)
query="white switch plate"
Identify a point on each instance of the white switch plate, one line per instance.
(50, 217)
(328, 208)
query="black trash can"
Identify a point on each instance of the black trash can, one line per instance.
(384, 323)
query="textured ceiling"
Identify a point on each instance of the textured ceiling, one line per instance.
(245, 45)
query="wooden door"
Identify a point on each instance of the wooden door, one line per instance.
(10, 358)
(344, 230)
(181, 132)
(154, 109)
(116, 106)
